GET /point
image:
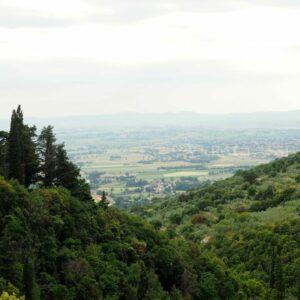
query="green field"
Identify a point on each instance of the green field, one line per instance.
(186, 174)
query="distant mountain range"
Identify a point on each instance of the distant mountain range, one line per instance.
(274, 120)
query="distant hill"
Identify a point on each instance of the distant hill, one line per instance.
(280, 120)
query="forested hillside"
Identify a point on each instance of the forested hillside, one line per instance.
(56, 243)
(250, 221)
(235, 239)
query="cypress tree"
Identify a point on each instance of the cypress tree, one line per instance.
(47, 150)
(15, 146)
(3, 153)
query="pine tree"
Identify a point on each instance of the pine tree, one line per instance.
(15, 145)
(47, 151)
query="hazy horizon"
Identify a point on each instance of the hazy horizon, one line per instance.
(128, 113)
(119, 121)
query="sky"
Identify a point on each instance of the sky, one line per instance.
(82, 57)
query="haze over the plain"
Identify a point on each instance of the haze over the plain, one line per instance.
(88, 57)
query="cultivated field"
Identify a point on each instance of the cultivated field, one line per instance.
(137, 165)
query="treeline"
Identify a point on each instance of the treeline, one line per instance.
(37, 159)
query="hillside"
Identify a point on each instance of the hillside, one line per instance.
(250, 221)
(55, 246)
(56, 243)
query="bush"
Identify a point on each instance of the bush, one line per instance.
(176, 218)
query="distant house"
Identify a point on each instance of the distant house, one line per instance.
(96, 197)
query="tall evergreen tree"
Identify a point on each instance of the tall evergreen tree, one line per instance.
(66, 172)
(22, 155)
(15, 146)
(47, 150)
(3, 153)
(30, 155)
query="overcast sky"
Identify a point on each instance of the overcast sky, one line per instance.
(66, 57)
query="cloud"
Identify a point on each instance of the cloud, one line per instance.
(63, 13)
(263, 45)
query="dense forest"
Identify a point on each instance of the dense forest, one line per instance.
(234, 239)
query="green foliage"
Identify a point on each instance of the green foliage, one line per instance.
(249, 176)
(56, 229)
(176, 217)
(78, 250)
(248, 228)
(6, 296)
